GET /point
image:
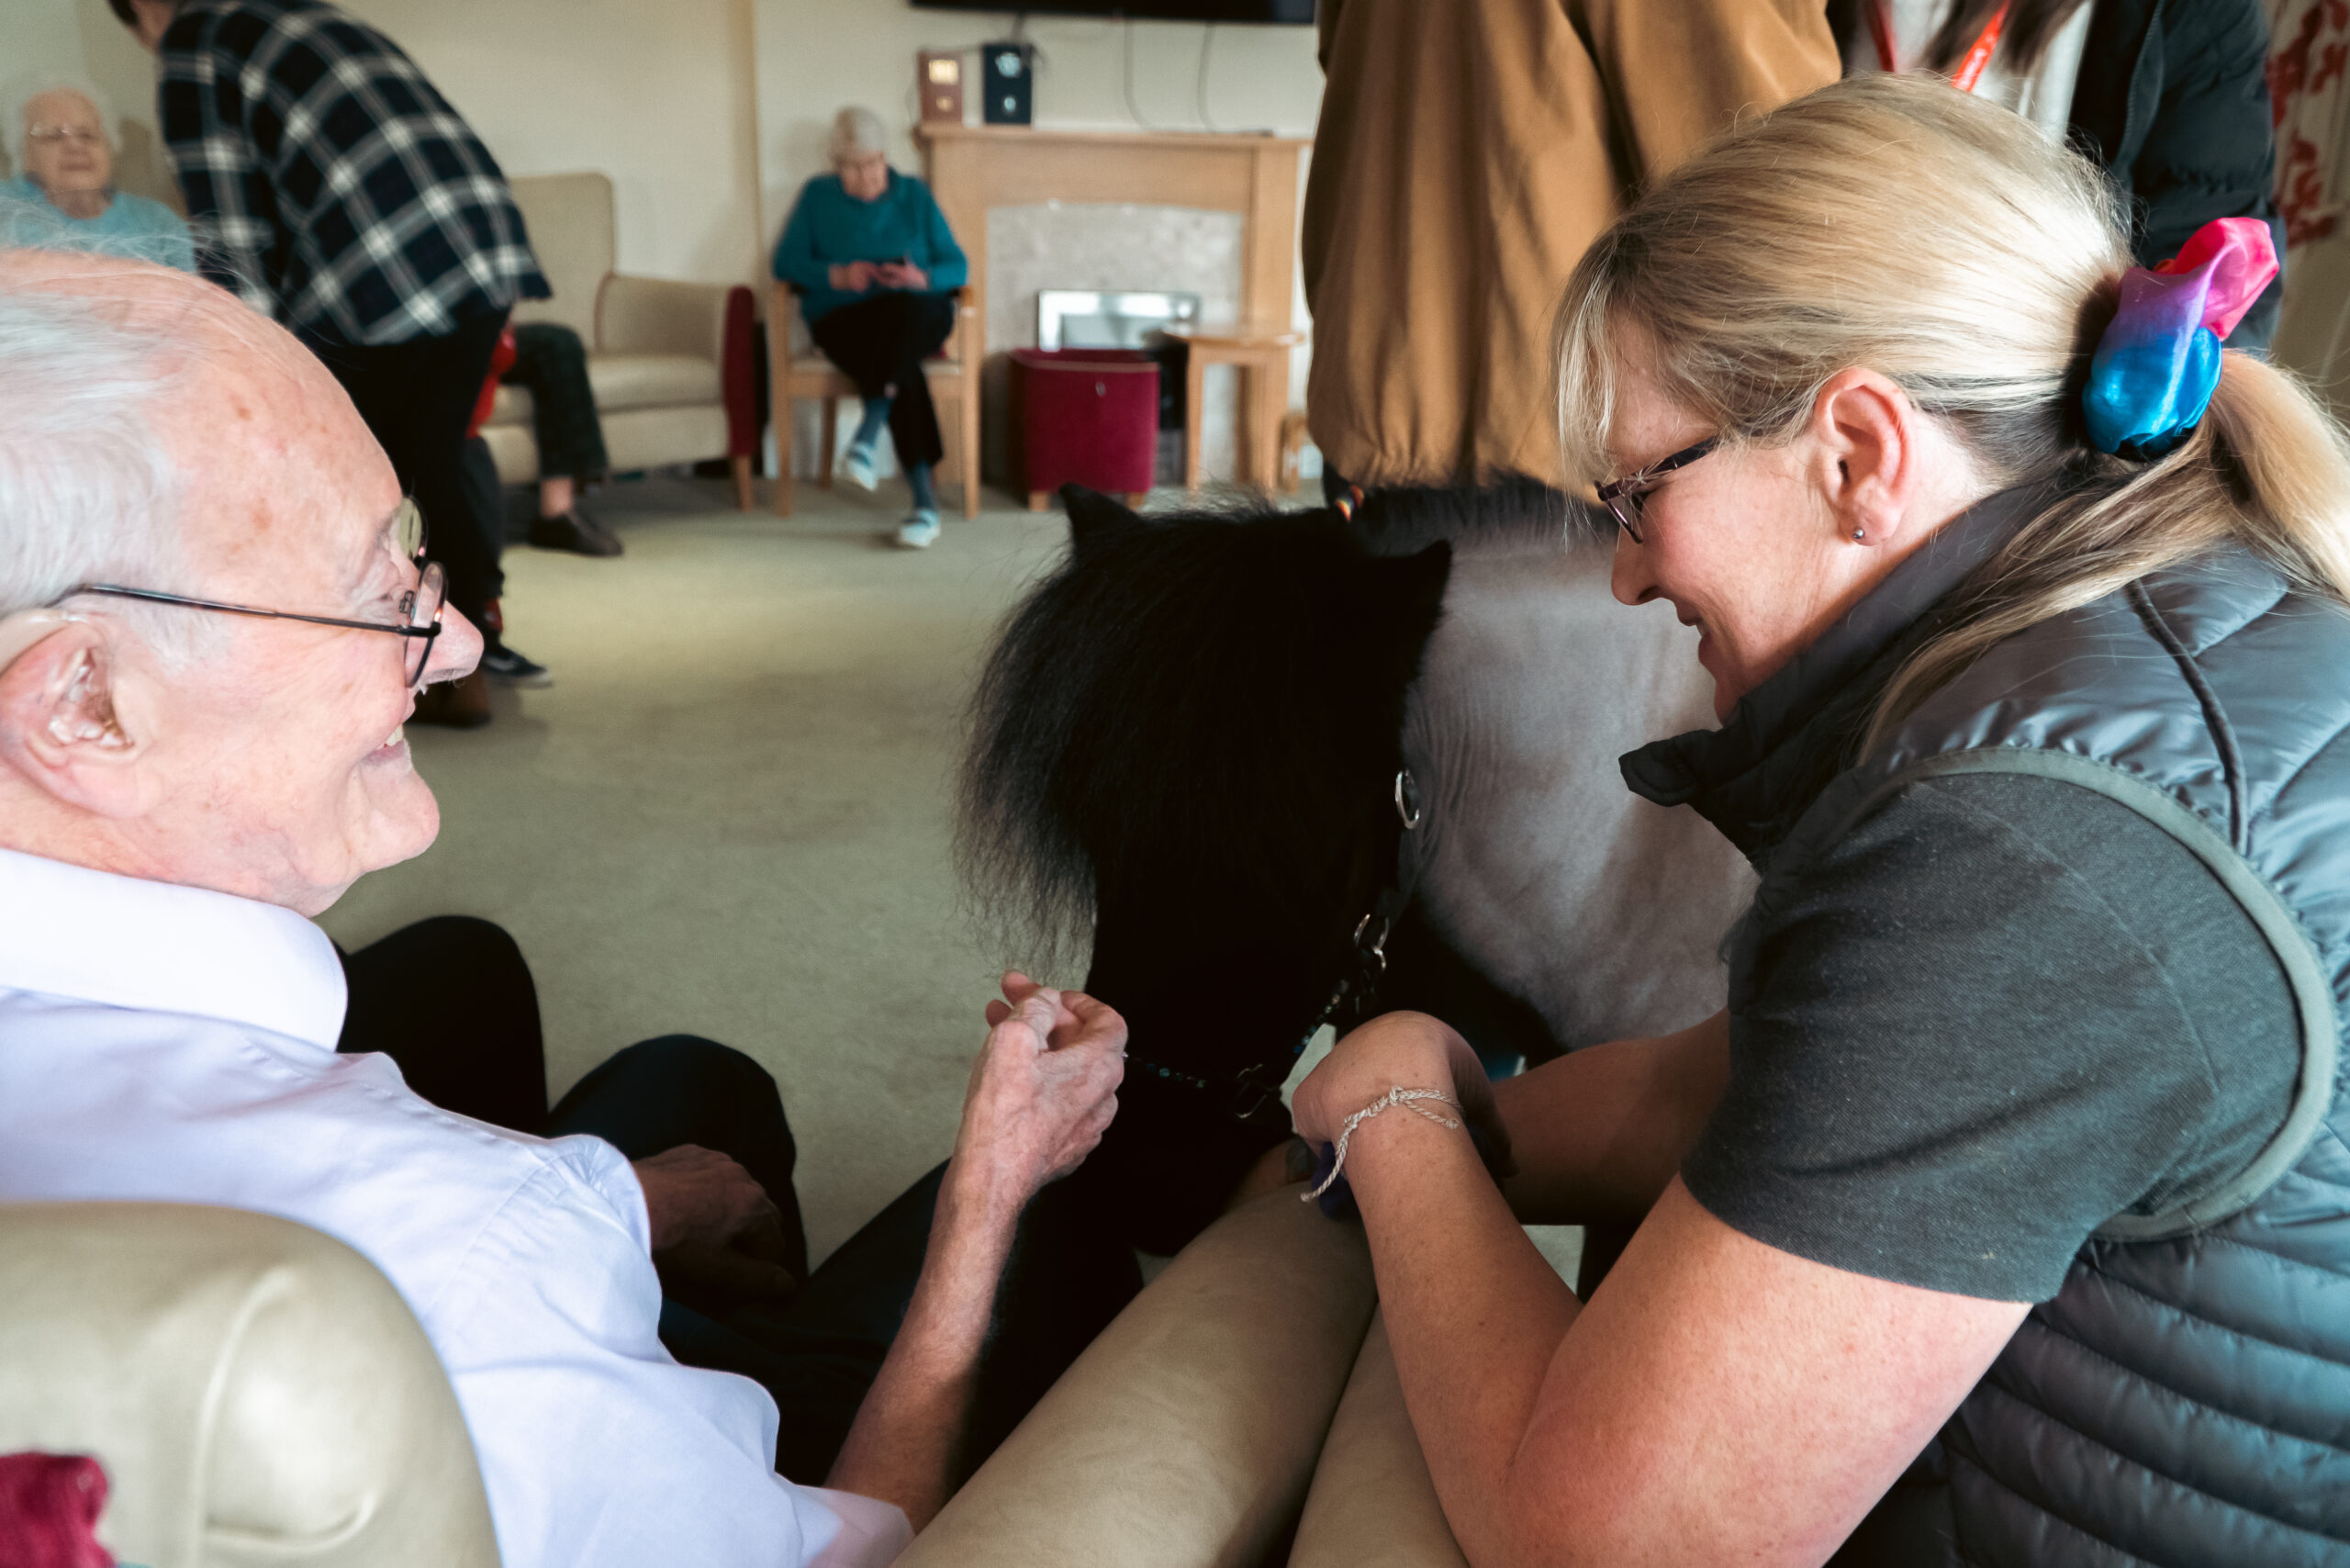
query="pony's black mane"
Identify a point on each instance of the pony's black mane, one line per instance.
(1191, 710)
(1512, 514)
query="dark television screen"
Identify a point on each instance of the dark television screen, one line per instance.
(1296, 11)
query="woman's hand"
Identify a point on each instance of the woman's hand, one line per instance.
(1400, 1050)
(853, 277)
(901, 275)
(1042, 1093)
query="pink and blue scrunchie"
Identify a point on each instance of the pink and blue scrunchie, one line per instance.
(2156, 366)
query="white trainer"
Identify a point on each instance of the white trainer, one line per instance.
(858, 464)
(920, 531)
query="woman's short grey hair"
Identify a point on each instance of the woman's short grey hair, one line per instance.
(858, 133)
(87, 493)
(20, 93)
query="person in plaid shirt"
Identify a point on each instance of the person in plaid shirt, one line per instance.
(337, 191)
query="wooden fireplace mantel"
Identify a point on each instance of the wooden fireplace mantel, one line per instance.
(973, 168)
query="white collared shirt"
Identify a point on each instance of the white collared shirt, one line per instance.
(168, 1044)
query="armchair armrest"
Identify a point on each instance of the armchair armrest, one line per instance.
(256, 1391)
(1189, 1431)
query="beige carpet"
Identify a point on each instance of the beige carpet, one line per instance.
(728, 816)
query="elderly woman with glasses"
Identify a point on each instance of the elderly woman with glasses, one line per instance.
(875, 268)
(60, 136)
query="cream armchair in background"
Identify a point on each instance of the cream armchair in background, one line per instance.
(257, 1393)
(670, 363)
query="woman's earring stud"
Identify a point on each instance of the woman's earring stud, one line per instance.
(1858, 533)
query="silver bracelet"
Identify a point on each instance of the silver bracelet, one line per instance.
(1393, 1097)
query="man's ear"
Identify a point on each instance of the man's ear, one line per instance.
(1866, 431)
(1094, 519)
(59, 728)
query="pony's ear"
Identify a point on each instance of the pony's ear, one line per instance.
(1094, 518)
(1411, 590)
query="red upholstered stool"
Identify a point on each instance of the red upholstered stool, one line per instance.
(1085, 417)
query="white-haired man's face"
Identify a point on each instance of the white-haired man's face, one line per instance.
(272, 765)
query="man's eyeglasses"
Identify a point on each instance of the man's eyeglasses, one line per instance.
(1625, 497)
(421, 607)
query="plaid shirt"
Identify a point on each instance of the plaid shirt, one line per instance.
(334, 188)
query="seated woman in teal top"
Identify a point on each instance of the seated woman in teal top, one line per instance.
(61, 138)
(875, 265)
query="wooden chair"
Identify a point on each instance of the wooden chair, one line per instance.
(954, 378)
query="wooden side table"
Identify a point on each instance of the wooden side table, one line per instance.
(1261, 359)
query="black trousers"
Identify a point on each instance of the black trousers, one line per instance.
(881, 343)
(470, 1031)
(418, 397)
(551, 361)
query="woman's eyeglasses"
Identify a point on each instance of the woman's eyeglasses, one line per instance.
(1625, 497)
(421, 607)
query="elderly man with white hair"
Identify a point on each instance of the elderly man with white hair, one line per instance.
(212, 628)
(61, 138)
(876, 266)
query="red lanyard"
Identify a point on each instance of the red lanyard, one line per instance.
(1970, 65)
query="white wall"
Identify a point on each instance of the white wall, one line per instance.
(657, 93)
(817, 55)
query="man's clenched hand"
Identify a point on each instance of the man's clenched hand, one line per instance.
(1043, 1091)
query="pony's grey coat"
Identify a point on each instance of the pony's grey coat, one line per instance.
(1603, 912)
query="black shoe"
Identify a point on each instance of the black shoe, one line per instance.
(575, 531)
(507, 667)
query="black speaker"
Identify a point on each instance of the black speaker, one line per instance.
(1008, 77)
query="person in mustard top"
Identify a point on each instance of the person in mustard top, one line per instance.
(1467, 152)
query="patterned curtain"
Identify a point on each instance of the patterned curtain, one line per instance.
(2308, 48)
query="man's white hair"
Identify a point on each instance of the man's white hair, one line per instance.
(19, 93)
(87, 493)
(858, 133)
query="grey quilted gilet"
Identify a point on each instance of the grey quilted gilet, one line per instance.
(2185, 1399)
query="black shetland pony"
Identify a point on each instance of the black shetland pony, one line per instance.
(1207, 744)
(1186, 746)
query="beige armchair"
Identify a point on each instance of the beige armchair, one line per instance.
(257, 1393)
(670, 363)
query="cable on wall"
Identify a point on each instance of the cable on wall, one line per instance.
(1133, 108)
(1199, 88)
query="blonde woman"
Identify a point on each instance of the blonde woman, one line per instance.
(2005, 1215)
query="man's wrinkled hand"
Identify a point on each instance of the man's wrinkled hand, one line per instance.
(716, 1234)
(1043, 1091)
